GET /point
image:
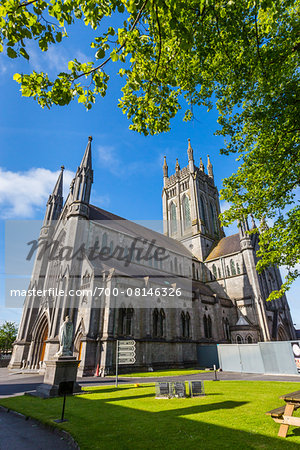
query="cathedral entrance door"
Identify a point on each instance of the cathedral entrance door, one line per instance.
(44, 338)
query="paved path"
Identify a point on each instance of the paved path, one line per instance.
(18, 433)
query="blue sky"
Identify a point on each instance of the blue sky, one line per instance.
(127, 166)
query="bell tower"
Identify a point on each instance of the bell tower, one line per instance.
(191, 206)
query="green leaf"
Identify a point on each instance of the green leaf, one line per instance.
(100, 53)
(114, 56)
(11, 52)
(24, 53)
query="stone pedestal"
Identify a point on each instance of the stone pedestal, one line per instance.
(59, 370)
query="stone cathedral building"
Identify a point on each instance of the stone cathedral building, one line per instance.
(204, 289)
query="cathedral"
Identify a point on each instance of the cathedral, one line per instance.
(172, 292)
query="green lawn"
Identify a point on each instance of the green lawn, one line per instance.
(164, 373)
(231, 415)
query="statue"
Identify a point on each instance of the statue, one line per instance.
(65, 338)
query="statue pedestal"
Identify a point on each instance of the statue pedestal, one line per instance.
(62, 369)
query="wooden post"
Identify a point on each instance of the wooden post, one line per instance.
(283, 429)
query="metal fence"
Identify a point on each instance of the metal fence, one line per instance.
(263, 357)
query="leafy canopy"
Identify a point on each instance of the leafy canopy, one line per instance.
(8, 334)
(241, 55)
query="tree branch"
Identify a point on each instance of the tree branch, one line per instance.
(24, 4)
(121, 46)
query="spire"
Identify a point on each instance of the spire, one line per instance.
(177, 167)
(191, 157)
(165, 168)
(58, 188)
(201, 165)
(253, 221)
(209, 168)
(87, 157)
(55, 201)
(190, 151)
(82, 183)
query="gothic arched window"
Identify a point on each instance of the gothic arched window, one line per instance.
(209, 327)
(219, 272)
(188, 323)
(232, 267)
(205, 325)
(214, 269)
(186, 213)
(155, 323)
(249, 339)
(129, 318)
(238, 268)
(162, 317)
(202, 209)
(121, 324)
(239, 339)
(183, 330)
(227, 329)
(173, 218)
(104, 240)
(213, 218)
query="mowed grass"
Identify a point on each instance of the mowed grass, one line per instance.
(164, 373)
(231, 415)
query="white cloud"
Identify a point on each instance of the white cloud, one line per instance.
(102, 201)
(22, 194)
(224, 206)
(55, 59)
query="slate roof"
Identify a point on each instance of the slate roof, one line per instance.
(226, 246)
(131, 228)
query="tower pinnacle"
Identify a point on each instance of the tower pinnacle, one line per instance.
(191, 157)
(82, 183)
(165, 167)
(55, 201)
(201, 165)
(209, 168)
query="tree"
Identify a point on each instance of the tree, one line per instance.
(8, 334)
(241, 56)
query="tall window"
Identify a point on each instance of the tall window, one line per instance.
(173, 219)
(188, 323)
(121, 324)
(239, 339)
(158, 323)
(186, 213)
(155, 323)
(214, 269)
(202, 209)
(125, 324)
(209, 327)
(104, 240)
(232, 267)
(213, 218)
(129, 317)
(226, 329)
(238, 268)
(183, 324)
(162, 317)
